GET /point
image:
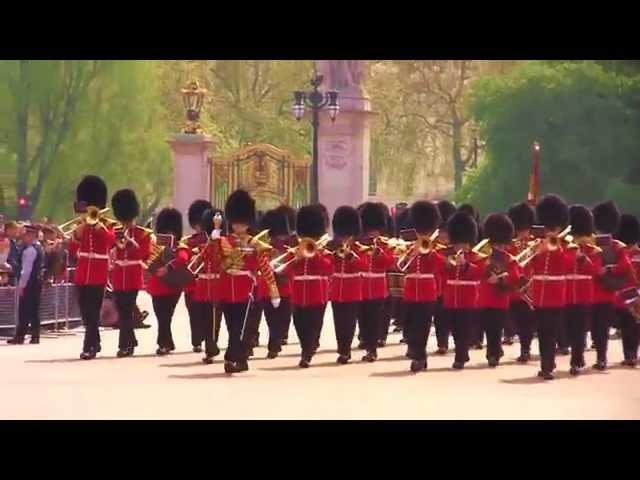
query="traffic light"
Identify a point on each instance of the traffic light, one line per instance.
(24, 207)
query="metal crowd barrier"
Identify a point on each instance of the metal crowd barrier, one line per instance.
(58, 307)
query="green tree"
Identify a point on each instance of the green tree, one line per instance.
(582, 115)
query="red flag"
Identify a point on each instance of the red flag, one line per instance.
(534, 179)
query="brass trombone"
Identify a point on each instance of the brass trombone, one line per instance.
(90, 217)
(307, 248)
(421, 246)
(524, 257)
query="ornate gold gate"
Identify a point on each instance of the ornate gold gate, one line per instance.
(270, 174)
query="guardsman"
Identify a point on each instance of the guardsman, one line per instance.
(379, 258)
(91, 243)
(423, 266)
(133, 247)
(460, 283)
(346, 281)
(500, 278)
(290, 213)
(308, 268)
(440, 321)
(629, 234)
(614, 273)
(522, 216)
(194, 242)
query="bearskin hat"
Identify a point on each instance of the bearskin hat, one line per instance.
(581, 220)
(462, 228)
(169, 221)
(93, 191)
(446, 209)
(346, 222)
(404, 221)
(425, 215)
(523, 216)
(629, 229)
(552, 211)
(373, 217)
(324, 212)
(289, 212)
(276, 222)
(125, 205)
(606, 217)
(196, 210)
(240, 208)
(310, 222)
(206, 222)
(498, 228)
(470, 210)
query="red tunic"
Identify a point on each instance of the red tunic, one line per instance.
(127, 273)
(238, 282)
(633, 279)
(493, 295)
(622, 267)
(194, 241)
(207, 284)
(548, 271)
(156, 287)
(92, 252)
(374, 274)
(516, 247)
(346, 282)
(580, 276)
(421, 280)
(460, 285)
(308, 278)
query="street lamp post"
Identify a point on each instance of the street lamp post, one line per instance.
(316, 101)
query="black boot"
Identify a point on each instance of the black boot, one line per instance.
(123, 353)
(370, 357)
(91, 354)
(343, 359)
(197, 349)
(493, 362)
(524, 358)
(600, 365)
(418, 365)
(574, 371)
(242, 366)
(16, 340)
(207, 360)
(272, 354)
(163, 351)
(458, 365)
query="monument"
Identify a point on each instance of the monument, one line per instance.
(344, 145)
(191, 170)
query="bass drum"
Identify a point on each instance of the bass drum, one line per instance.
(396, 284)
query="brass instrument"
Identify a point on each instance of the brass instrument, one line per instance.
(483, 248)
(307, 248)
(524, 257)
(421, 246)
(91, 217)
(196, 264)
(123, 238)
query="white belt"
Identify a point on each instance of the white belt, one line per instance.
(247, 273)
(309, 277)
(421, 275)
(209, 276)
(374, 275)
(128, 263)
(463, 282)
(549, 277)
(576, 276)
(92, 255)
(347, 275)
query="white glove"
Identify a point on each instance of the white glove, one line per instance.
(275, 302)
(215, 234)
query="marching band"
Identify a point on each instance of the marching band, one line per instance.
(546, 269)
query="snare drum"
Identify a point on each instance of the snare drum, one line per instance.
(396, 284)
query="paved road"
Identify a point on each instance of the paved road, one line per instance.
(48, 381)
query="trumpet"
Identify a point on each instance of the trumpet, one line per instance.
(524, 257)
(307, 248)
(421, 246)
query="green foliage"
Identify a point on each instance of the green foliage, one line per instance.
(585, 120)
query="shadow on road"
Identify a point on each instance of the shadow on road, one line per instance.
(562, 375)
(208, 376)
(100, 357)
(184, 365)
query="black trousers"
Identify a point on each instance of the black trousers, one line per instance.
(210, 318)
(460, 321)
(308, 324)
(277, 321)
(234, 314)
(163, 307)
(125, 304)
(417, 326)
(29, 312)
(252, 328)
(563, 335)
(601, 320)
(345, 316)
(576, 320)
(492, 321)
(525, 323)
(442, 325)
(548, 321)
(196, 322)
(476, 332)
(386, 319)
(371, 318)
(509, 326)
(90, 302)
(630, 330)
